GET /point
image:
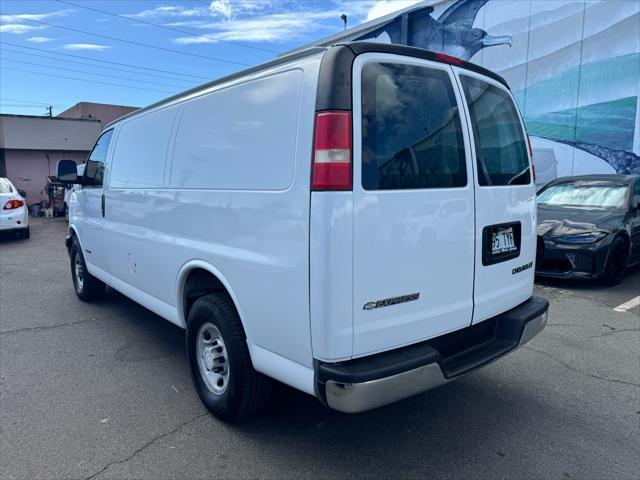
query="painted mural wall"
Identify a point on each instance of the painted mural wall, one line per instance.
(573, 66)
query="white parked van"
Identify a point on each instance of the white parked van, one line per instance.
(357, 222)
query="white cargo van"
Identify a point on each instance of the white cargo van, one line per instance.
(357, 222)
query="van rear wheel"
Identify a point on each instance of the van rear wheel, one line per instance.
(87, 287)
(221, 367)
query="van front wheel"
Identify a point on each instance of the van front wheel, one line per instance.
(87, 287)
(221, 367)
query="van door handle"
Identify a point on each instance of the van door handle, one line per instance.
(102, 205)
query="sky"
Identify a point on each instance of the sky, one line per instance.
(60, 52)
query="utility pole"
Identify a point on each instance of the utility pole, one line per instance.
(344, 19)
(49, 111)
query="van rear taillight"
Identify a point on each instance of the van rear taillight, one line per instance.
(332, 152)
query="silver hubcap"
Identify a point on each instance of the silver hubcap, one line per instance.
(77, 265)
(213, 361)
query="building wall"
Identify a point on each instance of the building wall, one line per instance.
(28, 169)
(47, 133)
(97, 111)
(573, 66)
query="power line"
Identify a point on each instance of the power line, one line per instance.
(132, 42)
(155, 75)
(31, 102)
(22, 105)
(96, 74)
(105, 61)
(84, 80)
(165, 27)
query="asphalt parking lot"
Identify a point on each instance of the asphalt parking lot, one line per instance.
(103, 391)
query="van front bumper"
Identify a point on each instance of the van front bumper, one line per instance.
(365, 383)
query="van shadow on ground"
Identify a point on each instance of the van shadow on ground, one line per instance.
(434, 430)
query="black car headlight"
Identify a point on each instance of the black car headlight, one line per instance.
(580, 238)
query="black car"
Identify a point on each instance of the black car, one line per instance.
(589, 227)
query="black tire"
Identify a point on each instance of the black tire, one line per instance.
(87, 287)
(26, 233)
(615, 263)
(246, 390)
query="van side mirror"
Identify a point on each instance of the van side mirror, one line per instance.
(67, 172)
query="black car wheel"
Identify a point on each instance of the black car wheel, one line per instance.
(616, 262)
(87, 287)
(220, 363)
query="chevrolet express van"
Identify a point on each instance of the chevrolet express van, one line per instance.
(357, 222)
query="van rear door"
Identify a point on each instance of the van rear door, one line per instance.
(413, 193)
(505, 196)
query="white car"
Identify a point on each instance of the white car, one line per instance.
(14, 212)
(358, 222)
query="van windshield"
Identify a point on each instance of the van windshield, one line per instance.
(501, 149)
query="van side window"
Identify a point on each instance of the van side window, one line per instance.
(411, 129)
(501, 149)
(94, 168)
(140, 153)
(242, 137)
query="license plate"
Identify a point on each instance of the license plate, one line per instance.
(503, 241)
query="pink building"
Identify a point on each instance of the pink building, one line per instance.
(30, 146)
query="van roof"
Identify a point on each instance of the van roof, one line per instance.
(342, 56)
(227, 78)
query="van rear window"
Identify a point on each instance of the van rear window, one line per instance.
(411, 129)
(501, 149)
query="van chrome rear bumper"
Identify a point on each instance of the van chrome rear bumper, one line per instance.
(370, 382)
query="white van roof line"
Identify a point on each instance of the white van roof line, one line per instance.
(247, 71)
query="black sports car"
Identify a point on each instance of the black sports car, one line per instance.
(589, 227)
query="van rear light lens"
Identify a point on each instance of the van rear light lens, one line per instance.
(533, 167)
(13, 204)
(332, 152)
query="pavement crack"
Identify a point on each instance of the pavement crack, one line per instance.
(575, 369)
(47, 327)
(146, 445)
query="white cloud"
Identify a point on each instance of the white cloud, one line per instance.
(222, 7)
(39, 39)
(85, 46)
(276, 27)
(34, 16)
(18, 28)
(267, 20)
(16, 23)
(384, 7)
(164, 11)
(216, 8)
